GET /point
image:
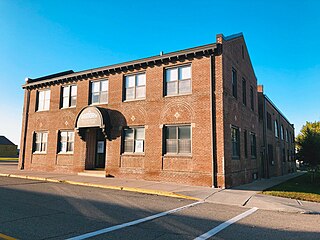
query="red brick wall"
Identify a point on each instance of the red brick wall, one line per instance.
(231, 111)
(154, 112)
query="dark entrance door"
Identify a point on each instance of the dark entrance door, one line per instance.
(100, 150)
(95, 142)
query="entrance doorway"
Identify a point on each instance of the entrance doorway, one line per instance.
(96, 149)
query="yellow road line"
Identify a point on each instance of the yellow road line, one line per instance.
(5, 237)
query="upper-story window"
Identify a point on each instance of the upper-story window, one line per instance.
(287, 135)
(178, 80)
(282, 132)
(99, 91)
(40, 142)
(234, 83)
(43, 103)
(135, 86)
(276, 128)
(269, 121)
(244, 92)
(69, 96)
(251, 98)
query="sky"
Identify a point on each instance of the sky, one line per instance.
(42, 37)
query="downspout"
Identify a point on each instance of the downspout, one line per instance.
(213, 121)
(25, 127)
(265, 142)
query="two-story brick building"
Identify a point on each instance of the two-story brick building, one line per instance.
(189, 116)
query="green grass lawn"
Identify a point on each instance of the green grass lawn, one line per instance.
(8, 159)
(301, 188)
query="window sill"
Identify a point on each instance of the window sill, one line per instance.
(168, 155)
(178, 95)
(133, 154)
(96, 104)
(46, 110)
(236, 158)
(134, 100)
(65, 153)
(39, 153)
(64, 108)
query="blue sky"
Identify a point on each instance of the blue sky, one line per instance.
(42, 37)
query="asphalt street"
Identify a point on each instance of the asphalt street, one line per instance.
(41, 210)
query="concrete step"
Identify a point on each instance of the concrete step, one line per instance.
(93, 173)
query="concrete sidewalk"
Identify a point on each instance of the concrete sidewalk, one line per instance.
(245, 195)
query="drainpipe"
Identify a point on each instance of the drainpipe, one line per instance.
(213, 121)
(265, 141)
(25, 127)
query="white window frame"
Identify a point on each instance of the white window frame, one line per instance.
(69, 142)
(178, 80)
(177, 140)
(43, 100)
(100, 92)
(136, 142)
(41, 139)
(135, 86)
(235, 141)
(68, 96)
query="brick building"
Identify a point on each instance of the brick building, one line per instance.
(7, 148)
(189, 116)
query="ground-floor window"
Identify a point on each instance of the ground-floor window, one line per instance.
(253, 145)
(66, 141)
(235, 139)
(178, 139)
(40, 142)
(134, 138)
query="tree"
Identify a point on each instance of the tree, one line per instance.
(308, 145)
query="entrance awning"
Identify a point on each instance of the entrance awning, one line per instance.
(90, 117)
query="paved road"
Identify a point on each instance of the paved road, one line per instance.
(41, 210)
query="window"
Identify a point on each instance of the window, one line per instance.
(234, 83)
(135, 86)
(178, 140)
(43, 103)
(287, 135)
(133, 140)
(270, 154)
(235, 140)
(69, 96)
(276, 129)
(251, 98)
(288, 155)
(282, 132)
(40, 142)
(99, 91)
(245, 133)
(269, 121)
(283, 155)
(253, 145)
(178, 80)
(244, 92)
(66, 141)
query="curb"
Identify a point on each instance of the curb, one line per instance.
(128, 189)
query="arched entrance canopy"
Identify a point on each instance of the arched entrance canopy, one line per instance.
(90, 117)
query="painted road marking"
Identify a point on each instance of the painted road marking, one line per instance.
(135, 222)
(226, 224)
(5, 237)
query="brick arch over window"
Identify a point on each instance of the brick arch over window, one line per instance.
(177, 111)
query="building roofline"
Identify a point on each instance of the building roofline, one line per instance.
(277, 109)
(233, 36)
(204, 50)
